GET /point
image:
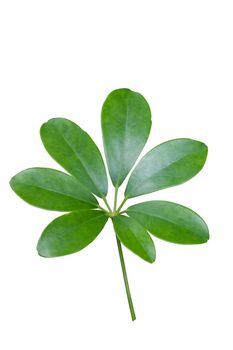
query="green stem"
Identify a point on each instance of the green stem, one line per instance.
(133, 316)
(106, 203)
(122, 212)
(99, 206)
(115, 199)
(123, 202)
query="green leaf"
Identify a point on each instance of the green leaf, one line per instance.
(134, 237)
(169, 164)
(126, 123)
(70, 233)
(170, 221)
(76, 152)
(51, 189)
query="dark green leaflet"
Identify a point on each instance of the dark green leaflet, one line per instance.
(70, 233)
(168, 164)
(170, 221)
(76, 152)
(134, 237)
(126, 123)
(53, 190)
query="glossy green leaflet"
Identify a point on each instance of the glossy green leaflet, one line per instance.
(126, 124)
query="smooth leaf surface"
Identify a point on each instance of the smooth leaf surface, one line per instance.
(76, 152)
(168, 164)
(70, 233)
(51, 189)
(170, 221)
(134, 237)
(126, 123)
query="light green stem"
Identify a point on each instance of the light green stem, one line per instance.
(115, 199)
(106, 203)
(99, 206)
(130, 302)
(123, 202)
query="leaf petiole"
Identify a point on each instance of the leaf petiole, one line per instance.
(99, 206)
(121, 205)
(115, 199)
(107, 205)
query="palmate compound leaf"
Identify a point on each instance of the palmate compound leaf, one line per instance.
(168, 164)
(53, 190)
(76, 152)
(134, 237)
(126, 123)
(170, 221)
(71, 232)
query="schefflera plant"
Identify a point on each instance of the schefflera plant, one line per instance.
(126, 124)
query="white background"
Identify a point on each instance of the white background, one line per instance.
(61, 59)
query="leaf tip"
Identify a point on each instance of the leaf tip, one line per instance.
(152, 260)
(11, 182)
(42, 250)
(206, 238)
